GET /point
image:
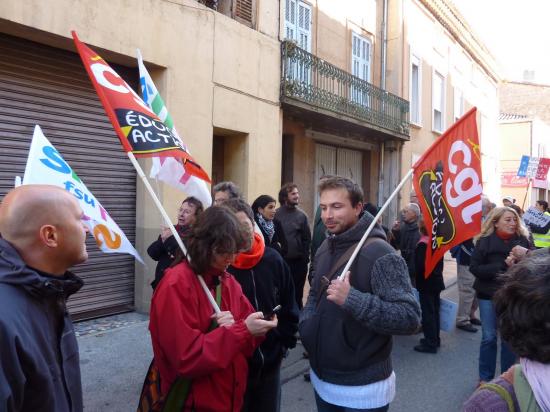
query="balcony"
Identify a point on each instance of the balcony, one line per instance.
(311, 83)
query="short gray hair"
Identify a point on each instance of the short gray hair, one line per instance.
(231, 188)
(415, 208)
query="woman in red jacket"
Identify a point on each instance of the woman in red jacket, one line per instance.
(189, 339)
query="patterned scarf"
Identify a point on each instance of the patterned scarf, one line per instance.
(266, 225)
(538, 376)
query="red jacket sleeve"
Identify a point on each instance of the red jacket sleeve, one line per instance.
(178, 317)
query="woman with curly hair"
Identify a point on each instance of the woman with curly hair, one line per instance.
(500, 233)
(190, 342)
(522, 307)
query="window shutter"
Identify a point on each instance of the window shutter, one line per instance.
(290, 19)
(304, 26)
(244, 11)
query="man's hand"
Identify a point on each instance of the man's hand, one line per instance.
(165, 233)
(338, 290)
(224, 318)
(257, 326)
(518, 252)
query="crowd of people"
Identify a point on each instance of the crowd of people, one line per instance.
(225, 311)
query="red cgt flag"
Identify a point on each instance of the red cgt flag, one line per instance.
(447, 180)
(139, 129)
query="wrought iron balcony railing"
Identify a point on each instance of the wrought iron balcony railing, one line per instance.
(311, 80)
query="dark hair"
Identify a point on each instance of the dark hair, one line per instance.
(261, 202)
(199, 208)
(231, 188)
(285, 190)
(518, 209)
(372, 209)
(216, 229)
(239, 205)
(422, 226)
(522, 306)
(544, 204)
(355, 193)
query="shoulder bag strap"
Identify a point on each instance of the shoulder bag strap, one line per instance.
(502, 392)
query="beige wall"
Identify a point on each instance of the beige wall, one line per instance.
(213, 72)
(414, 30)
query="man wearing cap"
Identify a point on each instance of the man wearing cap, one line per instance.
(508, 201)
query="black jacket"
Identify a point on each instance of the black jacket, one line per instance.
(164, 253)
(267, 285)
(434, 283)
(278, 242)
(39, 362)
(351, 344)
(297, 233)
(405, 238)
(487, 262)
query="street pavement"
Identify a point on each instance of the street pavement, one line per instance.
(115, 356)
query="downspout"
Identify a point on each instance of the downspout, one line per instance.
(384, 41)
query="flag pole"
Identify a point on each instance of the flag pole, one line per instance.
(374, 221)
(168, 221)
(526, 192)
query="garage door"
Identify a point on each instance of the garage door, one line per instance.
(50, 87)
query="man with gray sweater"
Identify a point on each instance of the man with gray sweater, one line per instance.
(347, 325)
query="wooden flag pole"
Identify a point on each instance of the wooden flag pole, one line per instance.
(374, 221)
(168, 222)
(526, 192)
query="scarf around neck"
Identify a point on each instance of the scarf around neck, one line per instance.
(250, 258)
(267, 226)
(538, 376)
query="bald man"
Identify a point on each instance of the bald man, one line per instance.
(42, 236)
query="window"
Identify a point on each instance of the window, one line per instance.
(458, 105)
(415, 90)
(360, 66)
(298, 23)
(438, 102)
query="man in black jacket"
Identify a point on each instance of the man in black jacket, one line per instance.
(298, 237)
(346, 324)
(267, 283)
(42, 236)
(406, 236)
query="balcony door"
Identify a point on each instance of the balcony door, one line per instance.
(298, 29)
(360, 67)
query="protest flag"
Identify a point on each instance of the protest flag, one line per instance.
(447, 180)
(170, 170)
(45, 165)
(140, 131)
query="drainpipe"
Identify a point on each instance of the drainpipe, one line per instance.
(384, 41)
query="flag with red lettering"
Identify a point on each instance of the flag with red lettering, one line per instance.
(139, 129)
(447, 180)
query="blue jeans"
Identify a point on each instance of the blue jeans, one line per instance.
(488, 348)
(323, 406)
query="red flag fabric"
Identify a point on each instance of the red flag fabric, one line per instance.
(447, 180)
(139, 129)
(542, 170)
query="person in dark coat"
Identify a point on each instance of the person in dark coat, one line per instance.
(406, 236)
(429, 290)
(164, 249)
(42, 236)
(500, 233)
(264, 216)
(267, 283)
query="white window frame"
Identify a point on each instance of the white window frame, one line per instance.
(416, 61)
(441, 106)
(291, 24)
(458, 103)
(361, 65)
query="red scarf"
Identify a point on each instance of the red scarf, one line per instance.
(250, 258)
(505, 236)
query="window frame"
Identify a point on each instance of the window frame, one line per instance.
(416, 61)
(457, 114)
(436, 75)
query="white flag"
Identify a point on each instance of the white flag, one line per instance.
(46, 166)
(169, 169)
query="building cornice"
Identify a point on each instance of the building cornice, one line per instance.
(450, 18)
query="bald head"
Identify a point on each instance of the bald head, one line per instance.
(27, 208)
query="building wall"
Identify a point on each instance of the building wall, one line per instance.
(415, 30)
(526, 98)
(212, 72)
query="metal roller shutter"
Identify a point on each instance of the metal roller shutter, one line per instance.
(50, 87)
